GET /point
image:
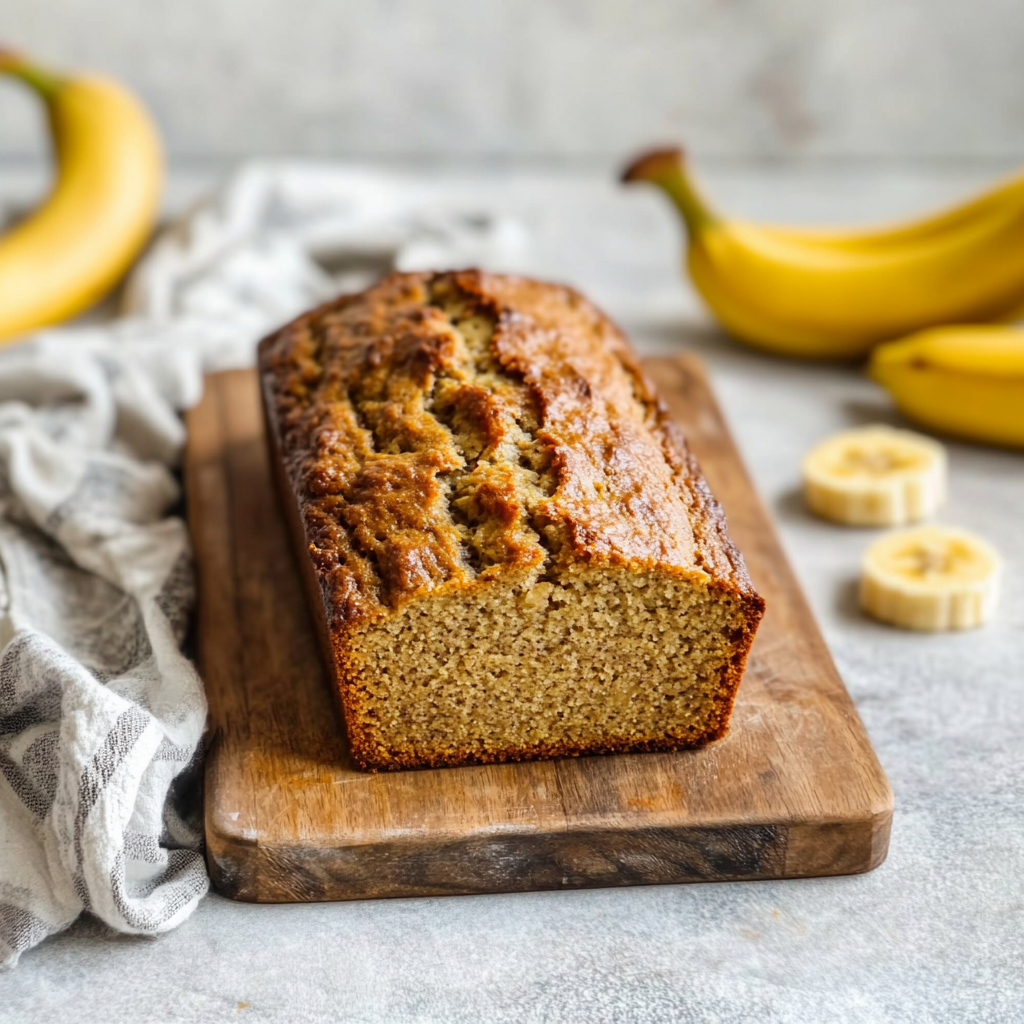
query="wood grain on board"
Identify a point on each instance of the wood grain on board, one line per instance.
(793, 790)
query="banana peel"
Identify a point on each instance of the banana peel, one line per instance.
(72, 250)
(966, 381)
(836, 294)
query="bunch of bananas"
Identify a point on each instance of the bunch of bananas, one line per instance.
(76, 246)
(844, 294)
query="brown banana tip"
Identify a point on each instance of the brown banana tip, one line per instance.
(653, 164)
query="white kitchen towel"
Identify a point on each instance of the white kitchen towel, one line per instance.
(101, 715)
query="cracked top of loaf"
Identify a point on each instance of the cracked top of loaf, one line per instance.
(442, 429)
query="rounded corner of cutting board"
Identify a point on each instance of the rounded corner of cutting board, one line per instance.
(231, 856)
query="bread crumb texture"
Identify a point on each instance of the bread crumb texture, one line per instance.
(515, 552)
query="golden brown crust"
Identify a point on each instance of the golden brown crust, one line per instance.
(372, 496)
(362, 396)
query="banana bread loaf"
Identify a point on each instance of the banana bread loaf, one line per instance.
(509, 549)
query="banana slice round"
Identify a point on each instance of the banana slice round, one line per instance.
(930, 578)
(875, 476)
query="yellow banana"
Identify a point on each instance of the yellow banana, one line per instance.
(836, 294)
(76, 246)
(967, 381)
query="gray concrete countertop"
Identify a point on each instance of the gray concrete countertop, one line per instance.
(935, 934)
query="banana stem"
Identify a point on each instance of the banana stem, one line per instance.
(667, 169)
(44, 82)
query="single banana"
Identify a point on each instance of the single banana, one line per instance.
(966, 381)
(875, 476)
(836, 294)
(930, 578)
(77, 245)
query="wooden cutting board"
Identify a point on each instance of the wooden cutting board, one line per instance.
(793, 790)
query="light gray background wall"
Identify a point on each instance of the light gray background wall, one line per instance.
(547, 78)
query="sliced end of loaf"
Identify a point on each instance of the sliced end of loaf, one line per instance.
(588, 660)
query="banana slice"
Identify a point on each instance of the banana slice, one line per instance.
(875, 476)
(930, 578)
